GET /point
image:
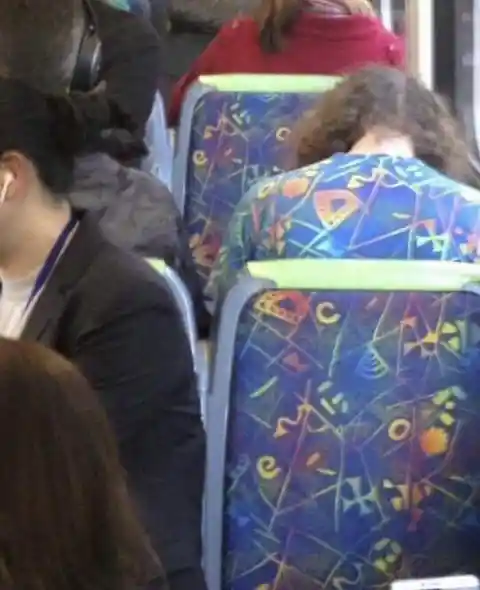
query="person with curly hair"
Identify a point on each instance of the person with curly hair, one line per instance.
(382, 172)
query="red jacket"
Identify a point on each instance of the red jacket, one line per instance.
(316, 45)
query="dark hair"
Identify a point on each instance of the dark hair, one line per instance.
(390, 102)
(276, 18)
(51, 130)
(65, 516)
(37, 41)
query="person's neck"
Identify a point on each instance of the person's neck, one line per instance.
(399, 146)
(34, 242)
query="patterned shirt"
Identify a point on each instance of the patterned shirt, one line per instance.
(352, 206)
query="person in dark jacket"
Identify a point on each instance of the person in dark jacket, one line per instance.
(137, 211)
(65, 285)
(156, 47)
(296, 37)
(131, 64)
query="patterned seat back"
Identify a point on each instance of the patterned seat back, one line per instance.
(347, 396)
(233, 132)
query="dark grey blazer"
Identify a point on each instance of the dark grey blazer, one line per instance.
(109, 313)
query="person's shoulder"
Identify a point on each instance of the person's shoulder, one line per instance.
(121, 283)
(431, 182)
(447, 186)
(155, 215)
(101, 173)
(470, 197)
(289, 185)
(144, 184)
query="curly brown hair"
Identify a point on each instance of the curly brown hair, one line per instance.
(388, 102)
(276, 18)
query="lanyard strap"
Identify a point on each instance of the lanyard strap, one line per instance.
(51, 260)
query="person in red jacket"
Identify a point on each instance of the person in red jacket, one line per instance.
(296, 37)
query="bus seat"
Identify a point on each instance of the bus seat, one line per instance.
(185, 306)
(344, 425)
(159, 161)
(233, 131)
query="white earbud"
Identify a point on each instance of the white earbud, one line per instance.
(6, 185)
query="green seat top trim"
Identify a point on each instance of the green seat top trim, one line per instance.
(156, 263)
(269, 83)
(366, 275)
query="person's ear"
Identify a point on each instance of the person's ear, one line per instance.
(16, 174)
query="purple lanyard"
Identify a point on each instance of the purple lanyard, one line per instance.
(51, 260)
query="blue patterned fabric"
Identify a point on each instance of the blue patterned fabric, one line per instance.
(237, 139)
(353, 444)
(352, 206)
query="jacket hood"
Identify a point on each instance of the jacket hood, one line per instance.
(134, 209)
(137, 212)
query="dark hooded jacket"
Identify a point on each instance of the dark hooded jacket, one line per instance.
(138, 213)
(132, 56)
(135, 209)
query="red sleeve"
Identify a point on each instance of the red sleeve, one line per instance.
(209, 62)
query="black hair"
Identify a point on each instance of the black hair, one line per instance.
(51, 130)
(38, 41)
